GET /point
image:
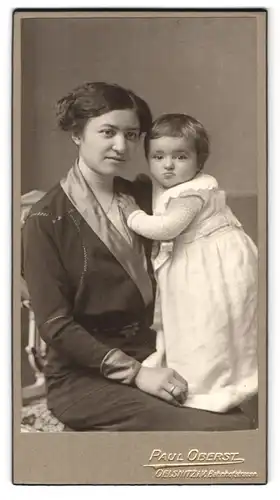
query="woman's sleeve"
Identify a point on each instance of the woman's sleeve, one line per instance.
(52, 303)
(178, 216)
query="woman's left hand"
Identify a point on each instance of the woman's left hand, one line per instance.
(163, 383)
(127, 204)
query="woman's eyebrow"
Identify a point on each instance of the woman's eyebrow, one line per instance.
(118, 128)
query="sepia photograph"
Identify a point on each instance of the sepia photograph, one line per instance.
(139, 234)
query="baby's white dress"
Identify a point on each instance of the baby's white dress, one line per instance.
(207, 287)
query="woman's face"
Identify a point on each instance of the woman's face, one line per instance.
(108, 141)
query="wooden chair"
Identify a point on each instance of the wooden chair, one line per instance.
(36, 351)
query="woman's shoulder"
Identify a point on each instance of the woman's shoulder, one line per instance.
(140, 188)
(141, 181)
(52, 203)
(51, 207)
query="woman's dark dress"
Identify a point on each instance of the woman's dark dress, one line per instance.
(87, 304)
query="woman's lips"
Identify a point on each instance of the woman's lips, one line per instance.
(116, 159)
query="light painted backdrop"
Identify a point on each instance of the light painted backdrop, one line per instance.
(205, 67)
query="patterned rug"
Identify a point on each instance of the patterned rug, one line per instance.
(35, 417)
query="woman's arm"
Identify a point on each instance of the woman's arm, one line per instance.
(179, 214)
(52, 303)
(53, 308)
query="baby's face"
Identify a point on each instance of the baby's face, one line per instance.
(172, 160)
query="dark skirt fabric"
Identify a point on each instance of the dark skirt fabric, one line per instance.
(111, 406)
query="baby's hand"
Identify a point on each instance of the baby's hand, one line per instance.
(127, 204)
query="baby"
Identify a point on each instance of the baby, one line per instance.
(206, 270)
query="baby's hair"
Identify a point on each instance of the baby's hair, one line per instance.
(180, 125)
(92, 99)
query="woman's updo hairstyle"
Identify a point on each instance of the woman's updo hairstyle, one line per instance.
(93, 99)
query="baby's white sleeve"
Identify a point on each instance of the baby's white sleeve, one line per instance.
(179, 214)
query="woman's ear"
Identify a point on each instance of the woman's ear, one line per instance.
(76, 140)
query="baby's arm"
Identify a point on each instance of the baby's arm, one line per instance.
(179, 214)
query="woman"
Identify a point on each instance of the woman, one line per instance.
(90, 286)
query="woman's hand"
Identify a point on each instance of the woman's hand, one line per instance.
(127, 204)
(163, 383)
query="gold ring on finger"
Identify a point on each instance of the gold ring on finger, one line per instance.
(173, 387)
